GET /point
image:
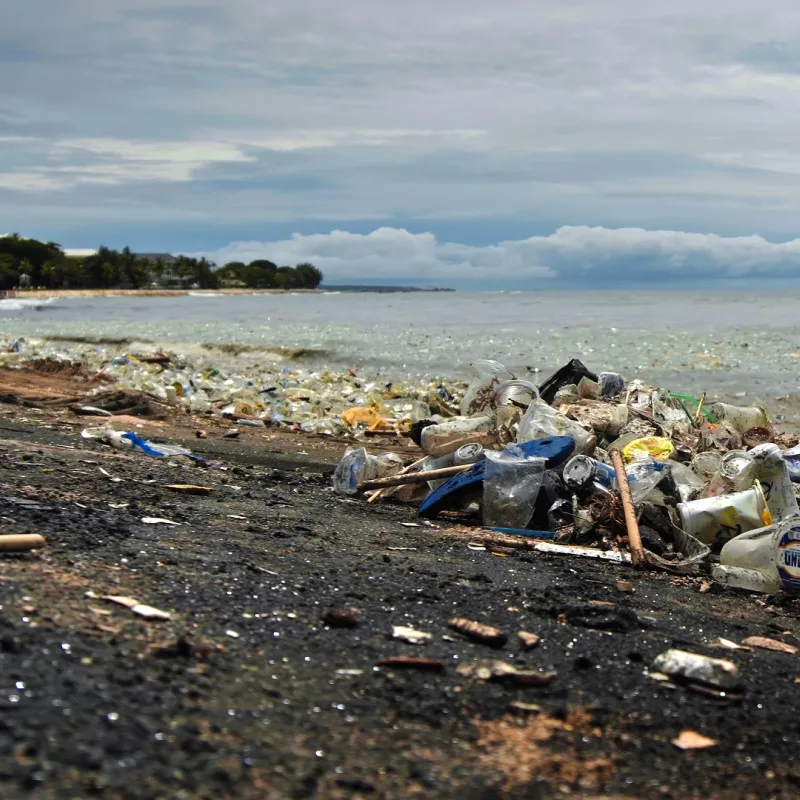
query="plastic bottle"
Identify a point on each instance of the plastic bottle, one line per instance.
(357, 466)
(741, 417)
(447, 437)
(763, 560)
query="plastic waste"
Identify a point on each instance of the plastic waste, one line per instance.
(705, 465)
(466, 454)
(447, 437)
(643, 476)
(541, 421)
(511, 485)
(649, 447)
(582, 474)
(687, 484)
(764, 463)
(487, 377)
(792, 459)
(763, 560)
(611, 384)
(716, 520)
(517, 393)
(357, 467)
(570, 374)
(742, 418)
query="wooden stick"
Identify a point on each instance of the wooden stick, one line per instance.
(403, 471)
(415, 477)
(634, 539)
(19, 542)
(699, 408)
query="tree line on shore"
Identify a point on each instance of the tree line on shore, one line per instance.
(30, 263)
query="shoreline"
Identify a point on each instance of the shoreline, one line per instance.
(48, 294)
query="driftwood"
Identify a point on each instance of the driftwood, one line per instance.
(414, 477)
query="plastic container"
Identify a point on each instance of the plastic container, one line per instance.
(517, 393)
(357, 466)
(716, 520)
(742, 418)
(763, 560)
(449, 436)
(466, 454)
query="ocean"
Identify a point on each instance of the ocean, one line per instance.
(726, 343)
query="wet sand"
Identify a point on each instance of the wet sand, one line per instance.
(244, 692)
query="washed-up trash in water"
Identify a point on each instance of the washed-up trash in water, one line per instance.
(128, 441)
(358, 467)
(770, 644)
(716, 520)
(511, 484)
(503, 671)
(410, 635)
(477, 631)
(694, 668)
(140, 609)
(159, 521)
(653, 447)
(763, 560)
(20, 542)
(185, 488)
(691, 740)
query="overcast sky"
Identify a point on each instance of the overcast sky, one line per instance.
(455, 142)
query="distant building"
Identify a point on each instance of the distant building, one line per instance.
(165, 278)
(24, 281)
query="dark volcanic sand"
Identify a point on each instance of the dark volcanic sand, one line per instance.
(111, 705)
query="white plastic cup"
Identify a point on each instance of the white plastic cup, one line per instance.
(720, 519)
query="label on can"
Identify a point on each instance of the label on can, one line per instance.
(789, 558)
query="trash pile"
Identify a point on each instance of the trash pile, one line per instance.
(250, 394)
(599, 465)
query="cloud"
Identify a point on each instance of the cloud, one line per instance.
(622, 113)
(577, 256)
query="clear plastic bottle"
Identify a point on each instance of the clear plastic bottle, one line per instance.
(357, 466)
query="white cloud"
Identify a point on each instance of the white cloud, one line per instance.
(578, 254)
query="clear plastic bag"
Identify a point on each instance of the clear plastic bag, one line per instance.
(511, 485)
(487, 376)
(643, 476)
(541, 421)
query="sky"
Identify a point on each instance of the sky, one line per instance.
(508, 145)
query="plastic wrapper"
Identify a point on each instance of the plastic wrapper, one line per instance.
(511, 485)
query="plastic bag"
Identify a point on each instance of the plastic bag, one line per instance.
(643, 477)
(511, 485)
(357, 467)
(541, 421)
(487, 376)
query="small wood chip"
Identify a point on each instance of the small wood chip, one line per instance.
(704, 587)
(410, 662)
(526, 708)
(341, 618)
(691, 740)
(727, 644)
(769, 644)
(477, 631)
(159, 521)
(410, 635)
(140, 609)
(187, 488)
(501, 671)
(626, 587)
(529, 640)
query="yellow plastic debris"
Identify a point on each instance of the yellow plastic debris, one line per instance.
(652, 446)
(361, 416)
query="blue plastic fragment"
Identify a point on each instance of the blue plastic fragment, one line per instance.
(146, 448)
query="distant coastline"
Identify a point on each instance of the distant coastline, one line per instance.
(47, 294)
